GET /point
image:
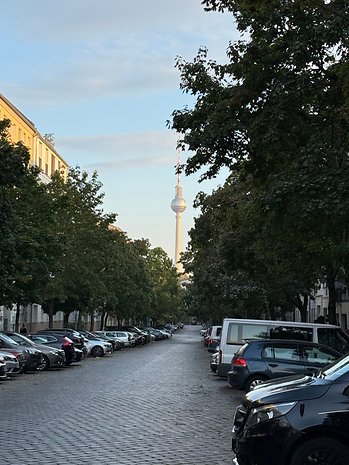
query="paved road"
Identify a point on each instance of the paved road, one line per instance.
(157, 404)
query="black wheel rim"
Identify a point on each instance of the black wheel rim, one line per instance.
(325, 457)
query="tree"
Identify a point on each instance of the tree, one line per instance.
(277, 114)
(78, 280)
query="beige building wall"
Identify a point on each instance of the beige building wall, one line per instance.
(22, 129)
(42, 153)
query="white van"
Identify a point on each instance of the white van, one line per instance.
(235, 331)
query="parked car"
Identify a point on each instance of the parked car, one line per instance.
(13, 365)
(117, 343)
(214, 362)
(261, 359)
(32, 356)
(236, 330)
(72, 334)
(127, 339)
(52, 357)
(96, 346)
(59, 341)
(213, 338)
(132, 329)
(296, 420)
(2, 368)
(157, 333)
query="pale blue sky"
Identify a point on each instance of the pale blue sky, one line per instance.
(100, 76)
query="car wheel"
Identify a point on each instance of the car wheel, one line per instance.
(44, 364)
(97, 351)
(321, 450)
(254, 381)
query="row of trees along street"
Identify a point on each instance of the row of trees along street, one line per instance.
(276, 115)
(57, 249)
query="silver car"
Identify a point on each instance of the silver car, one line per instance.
(12, 363)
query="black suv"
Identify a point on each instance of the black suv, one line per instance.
(296, 420)
(261, 359)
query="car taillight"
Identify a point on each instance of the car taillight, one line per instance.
(210, 340)
(241, 362)
(67, 343)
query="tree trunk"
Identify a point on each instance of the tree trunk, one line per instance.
(18, 312)
(92, 321)
(332, 298)
(79, 322)
(65, 320)
(50, 314)
(302, 305)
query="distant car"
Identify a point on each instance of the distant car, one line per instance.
(96, 346)
(124, 336)
(214, 362)
(32, 356)
(259, 360)
(116, 342)
(213, 339)
(52, 357)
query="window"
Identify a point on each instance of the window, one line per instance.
(254, 331)
(53, 164)
(315, 355)
(335, 338)
(292, 332)
(287, 353)
(233, 333)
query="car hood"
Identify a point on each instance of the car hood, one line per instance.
(287, 389)
(45, 348)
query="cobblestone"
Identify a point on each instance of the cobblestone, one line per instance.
(156, 404)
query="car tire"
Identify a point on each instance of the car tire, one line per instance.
(254, 381)
(321, 450)
(97, 351)
(45, 364)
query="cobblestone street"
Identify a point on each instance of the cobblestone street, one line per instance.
(157, 404)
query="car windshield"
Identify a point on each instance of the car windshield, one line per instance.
(8, 339)
(336, 369)
(22, 340)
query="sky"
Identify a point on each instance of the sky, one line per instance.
(100, 76)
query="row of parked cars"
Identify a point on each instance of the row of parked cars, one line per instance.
(295, 410)
(54, 348)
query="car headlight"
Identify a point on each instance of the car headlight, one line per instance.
(268, 412)
(31, 351)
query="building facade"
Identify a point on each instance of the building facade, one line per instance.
(43, 155)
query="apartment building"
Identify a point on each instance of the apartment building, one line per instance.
(44, 155)
(41, 149)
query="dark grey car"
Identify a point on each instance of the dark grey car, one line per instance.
(261, 359)
(51, 356)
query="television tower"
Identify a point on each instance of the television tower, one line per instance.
(178, 205)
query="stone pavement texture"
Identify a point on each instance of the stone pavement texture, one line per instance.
(156, 404)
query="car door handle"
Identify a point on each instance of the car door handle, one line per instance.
(273, 365)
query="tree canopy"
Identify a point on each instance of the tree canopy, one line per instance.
(275, 114)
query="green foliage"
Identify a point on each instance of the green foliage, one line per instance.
(276, 114)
